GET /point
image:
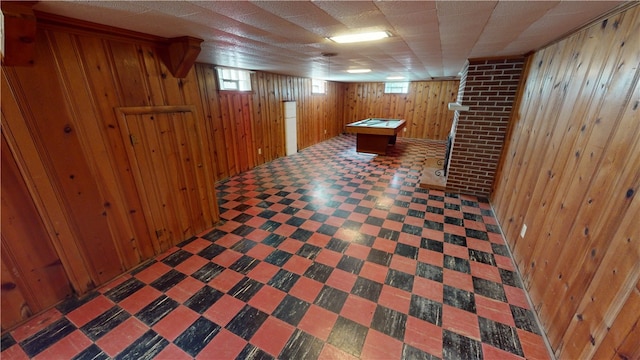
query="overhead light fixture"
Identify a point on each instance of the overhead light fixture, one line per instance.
(352, 38)
(358, 71)
(395, 77)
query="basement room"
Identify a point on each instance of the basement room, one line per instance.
(320, 180)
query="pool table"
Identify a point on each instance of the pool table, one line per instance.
(373, 135)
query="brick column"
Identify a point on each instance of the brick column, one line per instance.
(489, 91)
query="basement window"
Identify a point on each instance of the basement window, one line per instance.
(234, 79)
(398, 87)
(318, 86)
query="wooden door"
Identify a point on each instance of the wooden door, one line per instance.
(169, 164)
(33, 277)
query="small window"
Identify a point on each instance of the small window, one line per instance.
(396, 87)
(318, 86)
(234, 79)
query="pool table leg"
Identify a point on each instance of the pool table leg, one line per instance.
(375, 144)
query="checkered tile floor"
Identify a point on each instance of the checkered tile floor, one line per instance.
(325, 254)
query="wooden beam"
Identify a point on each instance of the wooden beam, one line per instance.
(19, 33)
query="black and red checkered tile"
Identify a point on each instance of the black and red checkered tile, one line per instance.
(326, 254)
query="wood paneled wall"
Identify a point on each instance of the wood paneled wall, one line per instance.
(571, 174)
(33, 277)
(60, 122)
(84, 123)
(247, 128)
(424, 107)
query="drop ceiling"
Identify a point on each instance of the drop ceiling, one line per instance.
(430, 39)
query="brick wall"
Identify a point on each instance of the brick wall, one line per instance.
(489, 91)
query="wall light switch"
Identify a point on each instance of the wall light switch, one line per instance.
(523, 230)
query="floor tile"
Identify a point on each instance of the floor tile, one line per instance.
(318, 322)
(324, 254)
(348, 336)
(89, 311)
(225, 345)
(172, 352)
(291, 310)
(455, 346)
(389, 322)
(500, 336)
(273, 335)
(424, 336)
(147, 346)
(379, 345)
(460, 322)
(359, 310)
(251, 352)
(301, 346)
(138, 300)
(156, 310)
(121, 336)
(104, 323)
(247, 322)
(203, 299)
(331, 299)
(68, 347)
(175, 323)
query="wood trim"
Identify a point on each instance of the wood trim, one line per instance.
(494, 58)
(144, 110)
(59, 22)
(627, 5)
(19, 33)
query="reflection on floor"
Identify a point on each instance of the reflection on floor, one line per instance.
(324, 254)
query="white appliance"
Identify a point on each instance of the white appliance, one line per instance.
(290, 127)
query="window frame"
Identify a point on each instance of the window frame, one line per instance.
(321, 84)
(390, 86)
(240, 77)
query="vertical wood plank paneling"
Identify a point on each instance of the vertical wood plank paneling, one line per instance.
(91, 134)
(621, 338)
(14, 305)
(68, 145)
(612, 287)
(168, 155)
(548, 139)
(252, 123)
(259, 125)
(94, 66)
(33, 277)
(581, 161)
(424, 107)
(207, 86)
(56, 134)
(571, 174)
(31, 162)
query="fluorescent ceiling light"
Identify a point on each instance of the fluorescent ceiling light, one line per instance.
(395, 77)
(343, 39)
(358, 71)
